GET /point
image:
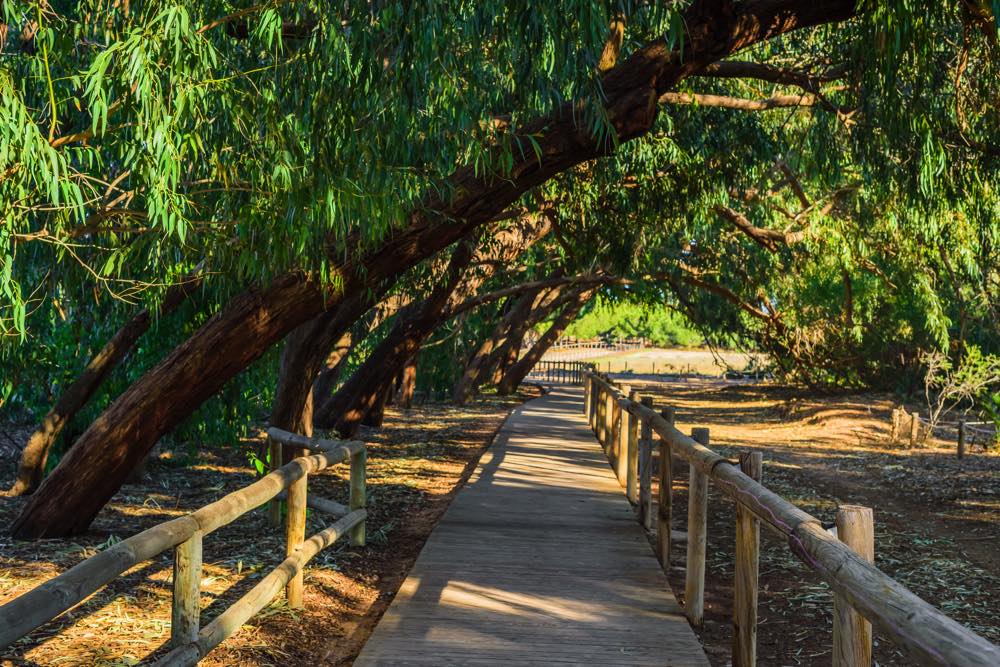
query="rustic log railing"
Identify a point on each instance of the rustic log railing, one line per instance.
(190, 643)
(863, 594)
(560, 372)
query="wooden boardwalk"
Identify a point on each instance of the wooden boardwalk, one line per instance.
(538, 560)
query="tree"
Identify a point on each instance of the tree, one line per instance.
(346, 172)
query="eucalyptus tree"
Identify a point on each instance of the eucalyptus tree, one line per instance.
(318, 155)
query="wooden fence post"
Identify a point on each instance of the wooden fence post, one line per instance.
(619, 434)
(666, 496)
(628, 469)
(595, 396)
(852, 634)
(914, 429)
(624, 440)
(594, 390)
(295, 534)
(746, 572)
(961, 439)
(694, 580)
(586, 399)
(645, 470)
(359, 462)
(273, 505)
(186, 603)
(608, 420)
(897, 419)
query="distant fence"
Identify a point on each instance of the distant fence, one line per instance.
(570, 349)
(912, 429)
(863, 595)
(559, 372)
(190, 643)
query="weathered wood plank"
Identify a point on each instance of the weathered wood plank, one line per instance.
(538, 561)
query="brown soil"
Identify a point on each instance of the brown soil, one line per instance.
(415, 465)
(937, 519)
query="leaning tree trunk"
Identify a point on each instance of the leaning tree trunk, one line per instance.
(83, 388)
(470, 379)
(104, 455)
(334, 366)
(304, 356)
(520, 368)
(496, 365)
(367, 388)
(372, 386)
(94, 469)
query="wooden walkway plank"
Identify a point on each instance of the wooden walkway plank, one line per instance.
(538, 560)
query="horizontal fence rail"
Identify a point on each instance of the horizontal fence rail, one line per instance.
(927, 635)
(185, 534)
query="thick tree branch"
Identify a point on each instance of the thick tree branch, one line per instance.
(739, 69)
(769, 239)
(726, 102)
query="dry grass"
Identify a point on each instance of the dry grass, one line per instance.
(415, 464)
(672, 362)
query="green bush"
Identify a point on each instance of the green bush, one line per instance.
(663, 326)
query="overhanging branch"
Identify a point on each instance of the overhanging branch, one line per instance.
(724, 101)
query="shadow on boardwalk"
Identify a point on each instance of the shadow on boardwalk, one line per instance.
(538, 560)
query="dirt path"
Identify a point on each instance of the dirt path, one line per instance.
(415, 464)
(937, 518)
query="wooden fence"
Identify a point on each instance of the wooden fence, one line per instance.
(912, 429)
(190, 642)
(560, 372)
(571, 349)
(864, 596)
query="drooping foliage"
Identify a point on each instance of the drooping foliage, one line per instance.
(830, 198)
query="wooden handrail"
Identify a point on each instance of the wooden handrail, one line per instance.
(259, 596)
(929, 636)
(48, 600)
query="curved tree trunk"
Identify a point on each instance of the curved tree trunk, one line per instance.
(520, 368)
(89, 475)
(103, 456)
(507, 352)
(83, 388)
(364, 396)
(467, 383)
(334, 366)
(367, 388)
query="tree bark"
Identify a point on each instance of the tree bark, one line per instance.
(83, 388)
(367, 388)
(103, 456)
(520, 368)
(69, 499)
(408, 383)
(371, 386)
(510, 349)
(467, 384)
(334, 367)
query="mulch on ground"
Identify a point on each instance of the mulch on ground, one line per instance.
(415, 464)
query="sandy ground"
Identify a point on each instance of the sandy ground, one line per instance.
(653, 361)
